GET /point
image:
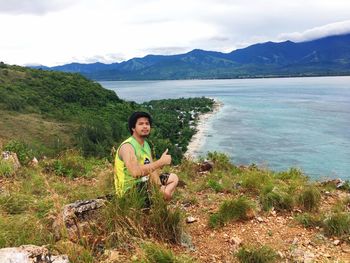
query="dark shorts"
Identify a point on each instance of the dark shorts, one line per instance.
(164, 178)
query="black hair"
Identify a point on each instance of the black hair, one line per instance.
(135, 116)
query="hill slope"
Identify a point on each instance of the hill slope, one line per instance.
(57, 110)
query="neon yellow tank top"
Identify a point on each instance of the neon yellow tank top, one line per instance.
(122, 178)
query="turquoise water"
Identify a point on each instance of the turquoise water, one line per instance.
(277, 123)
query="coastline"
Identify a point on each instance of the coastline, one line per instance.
(198, 138)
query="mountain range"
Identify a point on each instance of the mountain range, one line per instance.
(325, 56)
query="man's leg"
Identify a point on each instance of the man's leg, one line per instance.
(169, 187)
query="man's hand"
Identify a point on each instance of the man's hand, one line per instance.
(165, 158)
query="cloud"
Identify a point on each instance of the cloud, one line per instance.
(338, 28)
(167, 50)
(34, 7)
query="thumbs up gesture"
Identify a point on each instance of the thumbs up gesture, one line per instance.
(165, 158)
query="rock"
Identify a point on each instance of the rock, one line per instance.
(191, 219)
(186, 241)
(260, 219)
(12, 158)
(34, 162)
(76, 217)
(338, 183)
(30, 254)
(205, 166)
(236, 241)
(299, 255)
(336, 242)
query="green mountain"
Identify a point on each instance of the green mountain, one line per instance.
(54, 111)
(325, 56)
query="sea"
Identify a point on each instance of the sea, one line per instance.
(277, 123)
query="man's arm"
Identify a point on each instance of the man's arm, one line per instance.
(127, 154)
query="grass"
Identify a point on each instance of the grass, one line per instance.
(310, 220)
(6, 169)
(310, 198)
(231, 210)
(337, 224)
(165, 222)
(71, 164)
(273, 197)
(251, 254)
(155, 253)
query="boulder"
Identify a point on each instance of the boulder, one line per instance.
(12, 158)
(30, 254)
(75, 217)
(205, 166)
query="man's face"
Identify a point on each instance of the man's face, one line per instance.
(142, 127)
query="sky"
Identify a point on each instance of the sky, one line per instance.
(56, 32)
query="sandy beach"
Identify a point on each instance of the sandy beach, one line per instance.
(199, 137)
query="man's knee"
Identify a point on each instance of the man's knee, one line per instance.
(173, 178)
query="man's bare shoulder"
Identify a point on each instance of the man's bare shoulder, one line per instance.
(125, 149)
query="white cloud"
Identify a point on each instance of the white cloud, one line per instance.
(338, 28)
(53, 32)
(34, 7)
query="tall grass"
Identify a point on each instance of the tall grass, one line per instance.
(272, 196)
(337, 224)
(6, 168)
(231, 210)
(310, 198)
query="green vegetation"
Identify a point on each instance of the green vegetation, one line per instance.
(262, 254)
(231, 210)
(337, 224)
(80, 113)
(310, 198)
(310, 220)
(154, 253)
(6, 168)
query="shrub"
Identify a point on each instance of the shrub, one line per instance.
(255, 180)
(310, 198)
(24, 153)
(262, 254)
(276, 198)
(337, 224)
(309, 220)
(236, 209)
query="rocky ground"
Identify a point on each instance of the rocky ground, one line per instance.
(280, 231)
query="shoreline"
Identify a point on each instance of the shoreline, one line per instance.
(198, 138)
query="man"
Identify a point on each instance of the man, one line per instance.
(133, 162)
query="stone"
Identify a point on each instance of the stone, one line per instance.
(30, 254)
(191, 219)
(34, 162)
(336, 242)
(186, 241)
(260, 219)
(205, 166)
(12, 158)
(77, 216)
